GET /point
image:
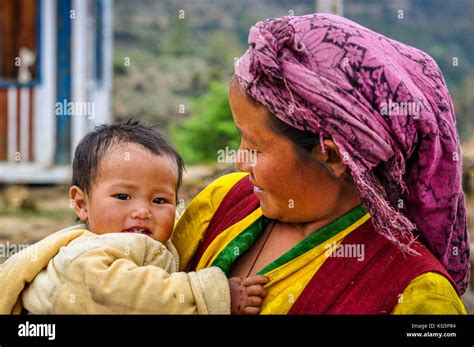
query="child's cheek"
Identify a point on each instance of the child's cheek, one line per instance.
(110, 216)
(166, 219)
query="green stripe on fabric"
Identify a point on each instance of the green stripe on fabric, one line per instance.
(239, 245)
(315, 239)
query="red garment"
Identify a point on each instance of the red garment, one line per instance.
(372, 286)
(238, 203)
(343, 285)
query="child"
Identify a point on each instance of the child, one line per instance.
(121, 260)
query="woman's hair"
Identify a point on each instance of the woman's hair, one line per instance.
(304, 141)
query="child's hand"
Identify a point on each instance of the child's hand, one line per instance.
(247, 295)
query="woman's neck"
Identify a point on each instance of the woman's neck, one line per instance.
(348, 203)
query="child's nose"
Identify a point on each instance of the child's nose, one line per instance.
(141, 213)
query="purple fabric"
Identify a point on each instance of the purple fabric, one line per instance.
(328, 75)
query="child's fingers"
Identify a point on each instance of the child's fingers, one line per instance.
(257, 290)
(250, 310)
(254, 301)
(256, 280)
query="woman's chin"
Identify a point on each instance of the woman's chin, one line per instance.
(269, 206)
(268, 210)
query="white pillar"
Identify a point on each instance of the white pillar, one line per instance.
(12, 112)
(79, 70)
(330, 6)
(24, 114)
(103, 91)
(45, 92)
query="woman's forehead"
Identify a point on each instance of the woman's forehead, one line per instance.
(244, 110)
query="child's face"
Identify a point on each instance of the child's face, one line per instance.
(134, 191)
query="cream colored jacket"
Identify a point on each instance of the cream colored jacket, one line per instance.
(76, 271)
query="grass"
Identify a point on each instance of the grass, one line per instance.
(55, 215)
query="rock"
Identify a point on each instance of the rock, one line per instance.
(18, 198)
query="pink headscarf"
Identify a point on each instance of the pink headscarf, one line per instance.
(330, 76)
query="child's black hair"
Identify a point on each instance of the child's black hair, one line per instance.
(92, 148)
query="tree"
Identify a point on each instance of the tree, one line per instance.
(210, 127)
(176, 41)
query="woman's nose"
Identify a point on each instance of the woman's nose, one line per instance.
(244, 161)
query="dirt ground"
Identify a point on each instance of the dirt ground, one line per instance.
(46, 209)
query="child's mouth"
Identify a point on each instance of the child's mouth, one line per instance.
(136, 230)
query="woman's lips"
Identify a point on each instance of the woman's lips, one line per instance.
(256, 189)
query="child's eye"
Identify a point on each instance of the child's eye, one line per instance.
(159, 201)
(122, 196)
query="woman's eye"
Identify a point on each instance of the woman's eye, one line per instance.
(252, 154)
(252, 150)
(159, 201)
(249, 151)
(122, 196)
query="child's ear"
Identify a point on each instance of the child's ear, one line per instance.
(332, 157)
(79, 202)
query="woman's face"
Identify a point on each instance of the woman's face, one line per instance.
(289, 188)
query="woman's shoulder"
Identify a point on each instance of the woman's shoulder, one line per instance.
(194, 221)
(211, 196)
(222, 185)
(429, 293)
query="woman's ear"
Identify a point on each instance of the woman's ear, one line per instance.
(331, 156)
(79, 202)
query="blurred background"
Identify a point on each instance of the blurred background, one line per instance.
(68, 65)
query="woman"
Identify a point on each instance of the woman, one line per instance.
(352, 204)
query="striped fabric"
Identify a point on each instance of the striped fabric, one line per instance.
(17, 124)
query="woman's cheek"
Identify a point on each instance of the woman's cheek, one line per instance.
(268, 175)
